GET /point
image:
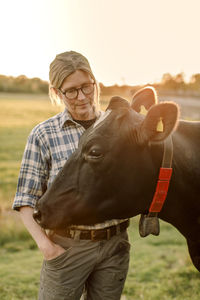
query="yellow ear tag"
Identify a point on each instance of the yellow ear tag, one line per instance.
(160, 127)
(143, 110)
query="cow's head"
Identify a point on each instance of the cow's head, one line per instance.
(113, 172)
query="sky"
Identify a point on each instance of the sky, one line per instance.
(126, 41)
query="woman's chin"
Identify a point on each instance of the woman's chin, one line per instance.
(84, 112)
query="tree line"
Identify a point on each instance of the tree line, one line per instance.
(169, 84)
(178, 85)
(23, 84)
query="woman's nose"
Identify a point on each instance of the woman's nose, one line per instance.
(80, 95)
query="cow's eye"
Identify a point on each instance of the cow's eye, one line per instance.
(94, 153)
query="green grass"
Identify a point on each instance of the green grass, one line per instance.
(17, 117)
(160, 267)
(19, 274)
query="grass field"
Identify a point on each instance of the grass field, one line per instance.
(160, 267)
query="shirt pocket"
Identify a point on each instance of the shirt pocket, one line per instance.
(57, 163)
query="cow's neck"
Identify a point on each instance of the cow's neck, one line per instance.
(182, 207)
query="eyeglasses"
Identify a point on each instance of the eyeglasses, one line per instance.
(72, 93)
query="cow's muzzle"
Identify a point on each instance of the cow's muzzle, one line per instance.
(37, 216)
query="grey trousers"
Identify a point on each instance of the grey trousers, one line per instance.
(101, 267)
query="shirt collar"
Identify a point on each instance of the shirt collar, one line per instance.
(66, 117)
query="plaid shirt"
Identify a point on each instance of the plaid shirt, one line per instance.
(48, 147)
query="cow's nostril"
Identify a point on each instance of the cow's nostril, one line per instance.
(37, 215)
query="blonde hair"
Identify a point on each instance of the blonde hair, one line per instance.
(62, 66)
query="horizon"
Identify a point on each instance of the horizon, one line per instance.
(186, 81)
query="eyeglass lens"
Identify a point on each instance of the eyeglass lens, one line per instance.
(86, 90)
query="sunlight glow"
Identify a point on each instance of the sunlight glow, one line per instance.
(137, 42)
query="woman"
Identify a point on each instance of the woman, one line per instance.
(70, 263)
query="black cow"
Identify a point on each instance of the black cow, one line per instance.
(114, 171)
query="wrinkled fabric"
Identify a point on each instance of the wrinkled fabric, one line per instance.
(100, 267)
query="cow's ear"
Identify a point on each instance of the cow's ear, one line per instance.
(160, 121)
(118, 102)
(144, 99)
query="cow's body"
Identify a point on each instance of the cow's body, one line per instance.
(113, 173)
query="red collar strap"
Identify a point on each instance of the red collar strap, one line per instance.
(161, 190)
(163, 179)
(149, 223)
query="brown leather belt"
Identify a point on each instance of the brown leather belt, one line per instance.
(94, 235)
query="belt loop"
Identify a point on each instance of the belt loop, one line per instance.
(118, 229)
(77, 234)
(108, 233)
(92, 235)
(72, 233)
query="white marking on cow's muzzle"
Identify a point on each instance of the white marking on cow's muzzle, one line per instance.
(102, 117)
(37, 215)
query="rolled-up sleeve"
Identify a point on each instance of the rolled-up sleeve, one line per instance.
(33, 176)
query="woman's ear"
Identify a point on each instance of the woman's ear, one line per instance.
(55, 96)
(54, 90)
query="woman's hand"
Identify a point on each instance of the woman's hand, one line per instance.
(51, 250)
